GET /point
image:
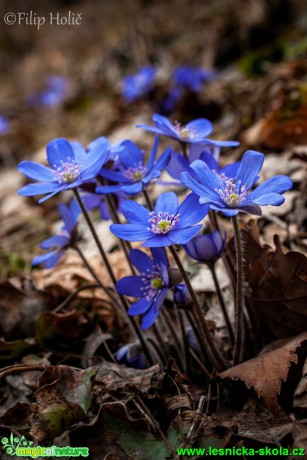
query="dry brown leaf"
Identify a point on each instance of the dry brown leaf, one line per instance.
(268, 371)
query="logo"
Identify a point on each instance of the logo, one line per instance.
(11, 445)
(21, 447)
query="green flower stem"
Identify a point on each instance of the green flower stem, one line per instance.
(239, 305)
(124, 302)
(222, 303)
(214, 356)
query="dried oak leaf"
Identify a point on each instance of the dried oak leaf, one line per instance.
(277, 286)
(268, 371)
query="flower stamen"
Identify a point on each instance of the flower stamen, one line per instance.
(231, 193)
(162, 225)
(68, 172)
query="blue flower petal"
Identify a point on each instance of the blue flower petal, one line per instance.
(49, 260)
(201, 126)
(135, 212)
(58, 151)
(130, 232)
(183, 235)
(205, 176)
(60, 189)
(200, 190)
(191, 211)
(112, 175)
(98, 145)
(131, 286)
(157, 241)
(152, 175)
(249, 168)
(105, 189)
(231, 170)
(177, 165)
(55, 241)
(70, 216)
(139, 307)
(132, 189)
(152, 129)
(273, 199)
(167, 202)
(153, 153)
(163, 159)
(39, 188)
(164, 125)
(226, 211)
(278, 184)
(131, 155)
(149, 318)
(140, 260)
(159, 256)
(205, 248)
(93, 164)
(79, 151)
(210, 161)
(36, 171)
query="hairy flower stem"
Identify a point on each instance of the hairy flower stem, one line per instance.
(124, 302)
(239, 305)
(214, 356)
(148, 200)
(222, 302)
(125, 245)
(95, 276)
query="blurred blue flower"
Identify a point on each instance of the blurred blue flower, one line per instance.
(4, 125)
(206, 248)
(151, 285)
(192, 77)
(131, 355)
(62, 241)
(54, 93)
(194, 132)
(168, 224)
(230, 196)
(182, 295)
(131, 173)
(135, 86)
(70, 166)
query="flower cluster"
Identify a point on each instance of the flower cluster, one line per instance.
(123, 170)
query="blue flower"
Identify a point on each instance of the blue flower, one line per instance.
(70, 164)
(230, 196)
(206, 248)
(132, 173)
(4, 125)
(168, 224)
(135, 86)
(132, 355)
(151, 285)
(192, 77)
(194, 132)
(54, 93)
(182, 295)
(62, 241)
(179, 164)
